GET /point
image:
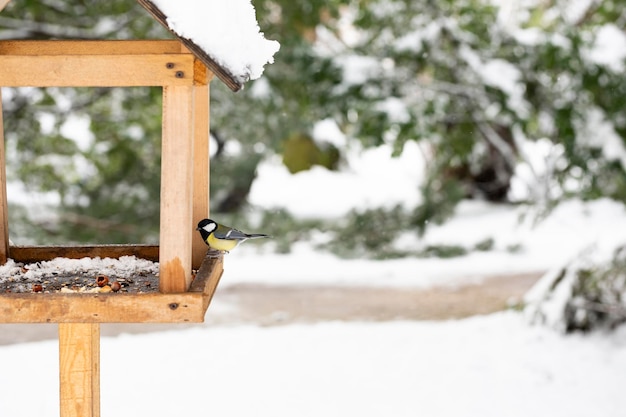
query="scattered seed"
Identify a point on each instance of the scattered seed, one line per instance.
(102, 280)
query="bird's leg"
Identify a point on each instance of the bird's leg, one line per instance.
(214, 253)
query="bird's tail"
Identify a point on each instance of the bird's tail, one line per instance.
(256, 235)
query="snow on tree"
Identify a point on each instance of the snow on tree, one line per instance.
(587, 293)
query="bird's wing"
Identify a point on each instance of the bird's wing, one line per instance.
(231, 234)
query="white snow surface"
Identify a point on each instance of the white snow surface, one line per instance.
(124, 267)
(226, 30)
(484, 366)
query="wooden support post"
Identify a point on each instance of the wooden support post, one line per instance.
(4, 212)
(79, 369)
(176, 229)
(201, 176)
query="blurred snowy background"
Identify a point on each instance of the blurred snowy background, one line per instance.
(394, 145)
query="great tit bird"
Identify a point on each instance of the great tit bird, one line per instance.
(221, 237)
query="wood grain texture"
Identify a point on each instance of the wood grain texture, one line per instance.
(223, 74)
(201, 74)
(28, 254)
(4, 209)
(210, 272)
(186, 307)
(79, 369)
(96, 70)
(92, 47)
(176, 223)
(201, 169)
(101, 308)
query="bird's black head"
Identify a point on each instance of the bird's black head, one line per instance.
(206, 227)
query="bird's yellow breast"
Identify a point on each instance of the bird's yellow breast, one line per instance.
(221, 244)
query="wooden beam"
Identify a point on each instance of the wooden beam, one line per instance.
(188, 307)
(101, 308)
(92, 47)
(29, 254)
(176, 228)
(201, 176)
(96, 70)
(4, 208)
(79, 369)
(209, 276)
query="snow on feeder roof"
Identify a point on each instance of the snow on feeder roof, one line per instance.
(225, 35)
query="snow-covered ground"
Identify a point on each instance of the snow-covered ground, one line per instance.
(484, 366)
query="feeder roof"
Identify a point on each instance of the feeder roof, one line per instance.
(224, 35)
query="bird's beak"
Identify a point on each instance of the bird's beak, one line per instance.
(197, 228)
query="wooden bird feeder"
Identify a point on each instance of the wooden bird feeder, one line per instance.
(184, 71)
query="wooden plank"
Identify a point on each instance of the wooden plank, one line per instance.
(223, 74)
(176, 225)
(4, 208)
(209, 276)
(201, 179)
(79, 369)
(96, 70)
(29, 254)
(91, 47)
(102, 308)
(189, 307)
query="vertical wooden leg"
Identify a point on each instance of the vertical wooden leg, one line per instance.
(79, 369)
(176, 229)
(4, 212)
(201, 174)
